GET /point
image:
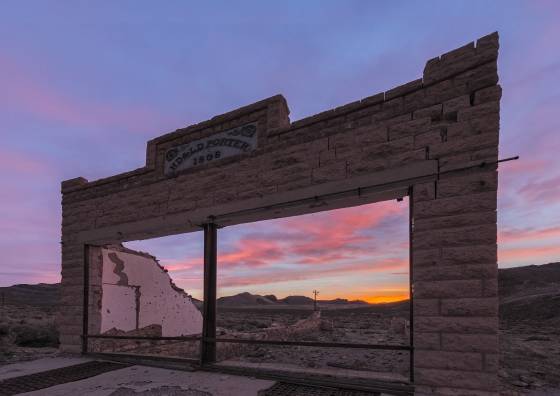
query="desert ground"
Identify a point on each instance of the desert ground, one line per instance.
(529, 332)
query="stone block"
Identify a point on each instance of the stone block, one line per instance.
(490, 94)
(441, 91)
(424, 192)
(491, 362)
(365, 163)
(482, 202)
(426, 306)
(459, 379)
(416, 100)
(466, 361)
(426, 257)
(456, 104)
(456, 272)
(467, 144)
(479, 182)
(326, 157)
(427, 341)
(483, 76)
(393, 147)
(286, 174)
(447, 288)
(469, 254)
(487, 343)
(437, 223)
(370, 136)
(465, 306)
(403, 89)
(409, 128)
(390, 109)
(417, 155)
(456, 324)
(433, 136)
(333, 171)
(478, 111)
(433, 112)
(420, 390)
(490, 287)
(459, 236)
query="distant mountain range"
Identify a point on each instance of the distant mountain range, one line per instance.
(41, 295)
(526, 293)
(246, 298)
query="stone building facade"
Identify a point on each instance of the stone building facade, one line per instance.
(434, 139)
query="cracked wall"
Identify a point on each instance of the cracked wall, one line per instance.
(137, 292)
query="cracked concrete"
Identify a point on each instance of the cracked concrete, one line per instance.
(139, 380)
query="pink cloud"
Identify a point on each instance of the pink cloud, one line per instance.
(16, 162)
(528, 234)
(247, 252)
(323, 238)
(338, 234)
(529, 253)
(543, 191)
(22, 91)
(283, 275)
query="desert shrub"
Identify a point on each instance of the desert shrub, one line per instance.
(38, 336)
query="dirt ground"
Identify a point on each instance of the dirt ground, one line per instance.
(364, 325)
(529, 349)
(529, 359)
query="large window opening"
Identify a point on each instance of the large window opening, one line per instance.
(325, 293)
(148, 303)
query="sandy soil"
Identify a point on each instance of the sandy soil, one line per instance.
(529, 347)
(530, 359)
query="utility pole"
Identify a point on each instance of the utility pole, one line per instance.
(315, 292)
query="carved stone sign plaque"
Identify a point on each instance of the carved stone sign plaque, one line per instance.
(212, 148)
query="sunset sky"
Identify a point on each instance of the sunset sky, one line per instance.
(84, 85)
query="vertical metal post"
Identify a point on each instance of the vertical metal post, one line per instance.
(208, 348)
(85, 308)
(411, 276)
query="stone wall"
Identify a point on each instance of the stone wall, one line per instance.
(435, 138)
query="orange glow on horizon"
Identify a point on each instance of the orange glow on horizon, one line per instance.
(384, 299)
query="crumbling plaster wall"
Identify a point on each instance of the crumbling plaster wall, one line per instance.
(444, 122)
(138, 292)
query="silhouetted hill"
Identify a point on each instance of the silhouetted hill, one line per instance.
(42, 294)
(528, 279)
(244, 299)
(530, 293)
(296, 300)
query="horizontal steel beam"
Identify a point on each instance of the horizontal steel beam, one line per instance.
(154, 338)
(311, 344)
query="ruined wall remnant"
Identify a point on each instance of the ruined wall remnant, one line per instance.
(137, 292)
(434, 138)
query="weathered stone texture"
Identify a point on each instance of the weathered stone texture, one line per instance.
(449, 116)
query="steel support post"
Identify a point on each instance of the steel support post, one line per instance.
(208, 345)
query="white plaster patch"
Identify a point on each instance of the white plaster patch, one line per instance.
(158, 302)
(118, 304)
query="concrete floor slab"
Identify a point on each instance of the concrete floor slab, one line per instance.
(38, 365)
(139, 380)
